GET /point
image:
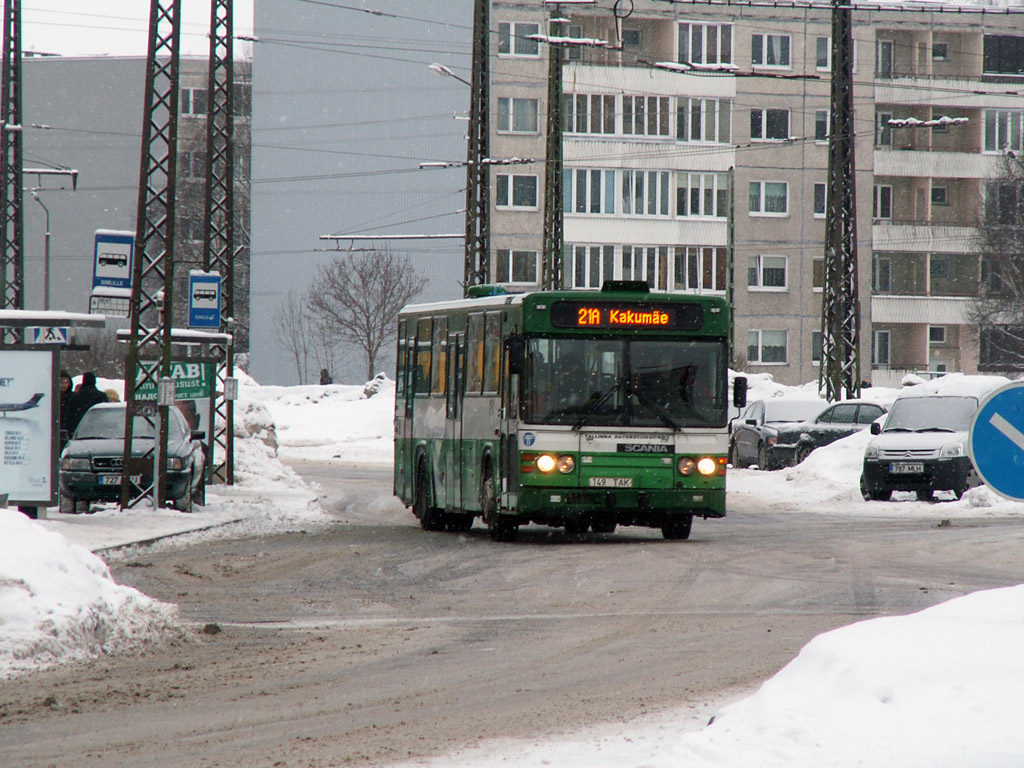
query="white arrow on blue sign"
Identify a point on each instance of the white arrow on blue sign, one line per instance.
(996, 441)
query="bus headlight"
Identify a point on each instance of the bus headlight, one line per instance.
(566, 464)
(686, 465)
(706, 466)
(545, 462)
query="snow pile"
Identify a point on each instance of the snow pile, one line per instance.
(58, 602)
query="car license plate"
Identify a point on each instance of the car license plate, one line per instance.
(610, 482)
(906, 468)
(116, 479)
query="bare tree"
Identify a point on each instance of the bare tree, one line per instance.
(998, 309)
(292, 332)
(358, 298)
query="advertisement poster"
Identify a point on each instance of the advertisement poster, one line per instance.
(193, 385)
(27, 415)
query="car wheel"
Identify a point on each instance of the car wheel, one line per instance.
(67, 504)
(184, 503)
(431, 518)
(762, 457)
(926, 495)
(82, 507)
(199, 493)
(734, 455)
(802, 452)
(678, 529)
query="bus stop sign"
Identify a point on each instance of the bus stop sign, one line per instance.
(996, 441)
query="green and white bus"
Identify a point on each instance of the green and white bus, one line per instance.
(581, 410)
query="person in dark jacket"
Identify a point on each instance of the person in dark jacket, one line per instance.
(65, 398)
(82, 399)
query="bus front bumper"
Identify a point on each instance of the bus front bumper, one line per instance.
(555, 506)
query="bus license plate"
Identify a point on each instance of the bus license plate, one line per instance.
(116, 479)
(906, 468)
(610, 482)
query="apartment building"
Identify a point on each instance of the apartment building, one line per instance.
(695, 156)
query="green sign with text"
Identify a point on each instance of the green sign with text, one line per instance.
(192, 381)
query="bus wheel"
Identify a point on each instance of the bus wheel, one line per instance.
(576, 528)
(499, 527)
(678, 529)
(431, 518)
(603, 527)
(460, 522)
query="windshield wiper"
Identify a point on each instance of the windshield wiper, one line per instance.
(591, 408)
(935, 429)
(656, 409)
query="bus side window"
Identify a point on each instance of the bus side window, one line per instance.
(475, 353)
(422, 371)
(492, 352)
(439, 369)
(400, 360)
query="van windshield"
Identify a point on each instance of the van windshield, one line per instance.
(921, 414)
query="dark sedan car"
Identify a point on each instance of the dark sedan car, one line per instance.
(755, 433)
(796, 441)
(90, 466)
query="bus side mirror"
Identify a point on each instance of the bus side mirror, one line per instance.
(515, 347)
(739, 392)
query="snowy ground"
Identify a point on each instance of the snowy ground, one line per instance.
(936, 688)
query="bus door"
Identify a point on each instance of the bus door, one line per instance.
(509, 437)
(403, 424)
(453, 465)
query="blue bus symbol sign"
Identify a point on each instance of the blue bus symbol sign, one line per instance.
(204, 300)
(996, 441)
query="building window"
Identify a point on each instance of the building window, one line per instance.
(1003, 200)
(592, 265)
(645, 193)
(940, 51)
(820, 199)
(700, 268)
(241, 100)
(882, 202)
(514, 39)
(194, 102)
(823, 53)
(767, 273)
(770, 124)
(817, 275)
(702, 194)
(884, 50)
(821, 124)
(574, 52)
(769, 198)
(516, 191)
(588, 190)
(769, 50)
(881, 274)
(880, 348)
(883, 131)
(517, 115)
(815, 347)
(632, 38)
(1003, 129)
(516, 266)
(704, 120)
(1003, 54)
(766, 347)
(705, 43)
(648, 263)
(588, 113)
(192, 165)
(940, 195)
(936, 334)
(645, 115)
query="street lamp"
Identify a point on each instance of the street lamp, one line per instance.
(443, 71)
(46, 253)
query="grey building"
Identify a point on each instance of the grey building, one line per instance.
(345, 110)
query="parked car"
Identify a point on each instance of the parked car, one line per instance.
(91, 464)
(921, 446)
(755, 434)
(796, 441)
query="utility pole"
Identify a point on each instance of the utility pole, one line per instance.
(12, 260)
(149, 345)
(840, 313)
(478, 176)
(551, 255)
(219, 238)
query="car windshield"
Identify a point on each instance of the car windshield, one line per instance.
(108, 424)
(791, 410)
(921, 414)
(619, 382)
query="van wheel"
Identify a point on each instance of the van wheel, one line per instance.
(926, 495)
(873, 494)
(431, 518)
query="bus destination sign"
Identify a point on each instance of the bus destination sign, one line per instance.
(619, 315)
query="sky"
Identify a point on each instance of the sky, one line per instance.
(115, 27)
(936, 688)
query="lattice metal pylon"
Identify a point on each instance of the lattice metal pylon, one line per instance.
(149, 345)
(551, 257)
(12, 268)
(840, 315)
(219, 238)
(478, 176)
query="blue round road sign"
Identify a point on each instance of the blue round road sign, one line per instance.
(996, 441)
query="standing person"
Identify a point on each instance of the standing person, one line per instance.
(83, 398)
(325, 377)
(65, 398)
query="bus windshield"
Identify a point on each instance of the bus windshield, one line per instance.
(625, 383)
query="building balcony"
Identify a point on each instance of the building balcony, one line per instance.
(966, 93)
(943, 165)
(922, 238)
(923, 310)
